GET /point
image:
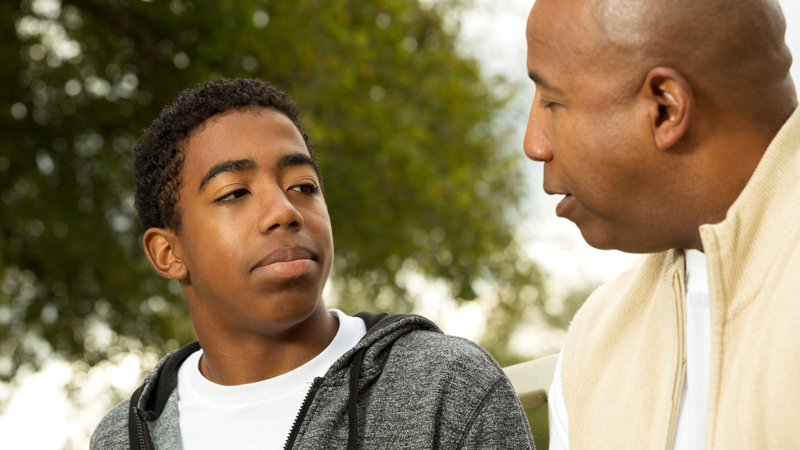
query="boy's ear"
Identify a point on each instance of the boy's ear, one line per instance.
(160, 248)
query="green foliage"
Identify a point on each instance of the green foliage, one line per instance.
(418, 176)
(539, 421)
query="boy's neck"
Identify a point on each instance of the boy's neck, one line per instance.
(234, 356)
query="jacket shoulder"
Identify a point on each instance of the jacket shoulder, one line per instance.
(112, 432)
(448, 386)
(431, 354)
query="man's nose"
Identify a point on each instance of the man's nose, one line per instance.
(536, 144)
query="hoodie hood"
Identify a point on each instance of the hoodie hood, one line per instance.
(382, 331)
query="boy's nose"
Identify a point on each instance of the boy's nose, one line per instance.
(279, 213)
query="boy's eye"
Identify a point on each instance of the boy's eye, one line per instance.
(305, 188)
(235, 195)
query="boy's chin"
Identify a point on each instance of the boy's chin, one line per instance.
(296, 301)
(260, 303)
(288, 312)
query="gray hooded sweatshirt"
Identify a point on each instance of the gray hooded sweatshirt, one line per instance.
(405, 385)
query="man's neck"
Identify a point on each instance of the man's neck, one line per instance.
(234, 356)
(722, 173)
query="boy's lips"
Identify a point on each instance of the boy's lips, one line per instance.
(289, 262)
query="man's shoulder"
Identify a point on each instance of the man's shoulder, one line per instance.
(112, 432)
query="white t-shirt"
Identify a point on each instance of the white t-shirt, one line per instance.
(256, 415)
(690, 432)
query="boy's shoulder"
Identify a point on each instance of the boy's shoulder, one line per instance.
(436, 349)
(425, 355)
(418, 341)
(112, 432)
(427, 380)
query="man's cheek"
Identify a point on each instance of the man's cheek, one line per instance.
(566, 136)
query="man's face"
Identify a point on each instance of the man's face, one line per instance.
(587, 126)
(256, 235)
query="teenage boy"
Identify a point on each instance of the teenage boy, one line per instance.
(230, 194)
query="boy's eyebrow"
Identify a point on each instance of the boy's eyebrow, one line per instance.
(298, 159)
(244, 165)
(239, 165)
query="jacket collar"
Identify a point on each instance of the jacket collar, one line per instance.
(743, 248)
(156, 388)
(382, 330)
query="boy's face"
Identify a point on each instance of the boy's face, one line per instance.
(256, 236)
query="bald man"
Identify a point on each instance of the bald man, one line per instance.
(670, 129)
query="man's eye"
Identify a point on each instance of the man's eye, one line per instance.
(546, 105)
(305, 188)
(235, 195)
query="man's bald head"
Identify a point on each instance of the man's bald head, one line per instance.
(651, 115)
(734, 50)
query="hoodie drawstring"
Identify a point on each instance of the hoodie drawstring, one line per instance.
(352, 407)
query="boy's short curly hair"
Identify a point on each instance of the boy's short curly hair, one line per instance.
(159, 154)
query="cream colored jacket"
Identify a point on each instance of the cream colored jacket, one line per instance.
(624, 358)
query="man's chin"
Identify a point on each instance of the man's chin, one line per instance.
(598, 237)
(603, 239)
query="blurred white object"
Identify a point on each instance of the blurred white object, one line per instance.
(532, 380)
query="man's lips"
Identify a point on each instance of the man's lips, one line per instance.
(563, 204)
(561, 208)
(288, 262)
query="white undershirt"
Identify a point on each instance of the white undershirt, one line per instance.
(690, 432)
(256, 415)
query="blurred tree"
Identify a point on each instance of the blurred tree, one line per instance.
(419, 178)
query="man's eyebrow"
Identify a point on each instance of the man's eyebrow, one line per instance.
(541, 82)
(298, 159)
(239, 165)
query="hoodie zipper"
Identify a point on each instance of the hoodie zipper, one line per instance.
(301, 415)
(142, 444)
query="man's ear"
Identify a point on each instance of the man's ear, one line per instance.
(160, 246)
(672, 104)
